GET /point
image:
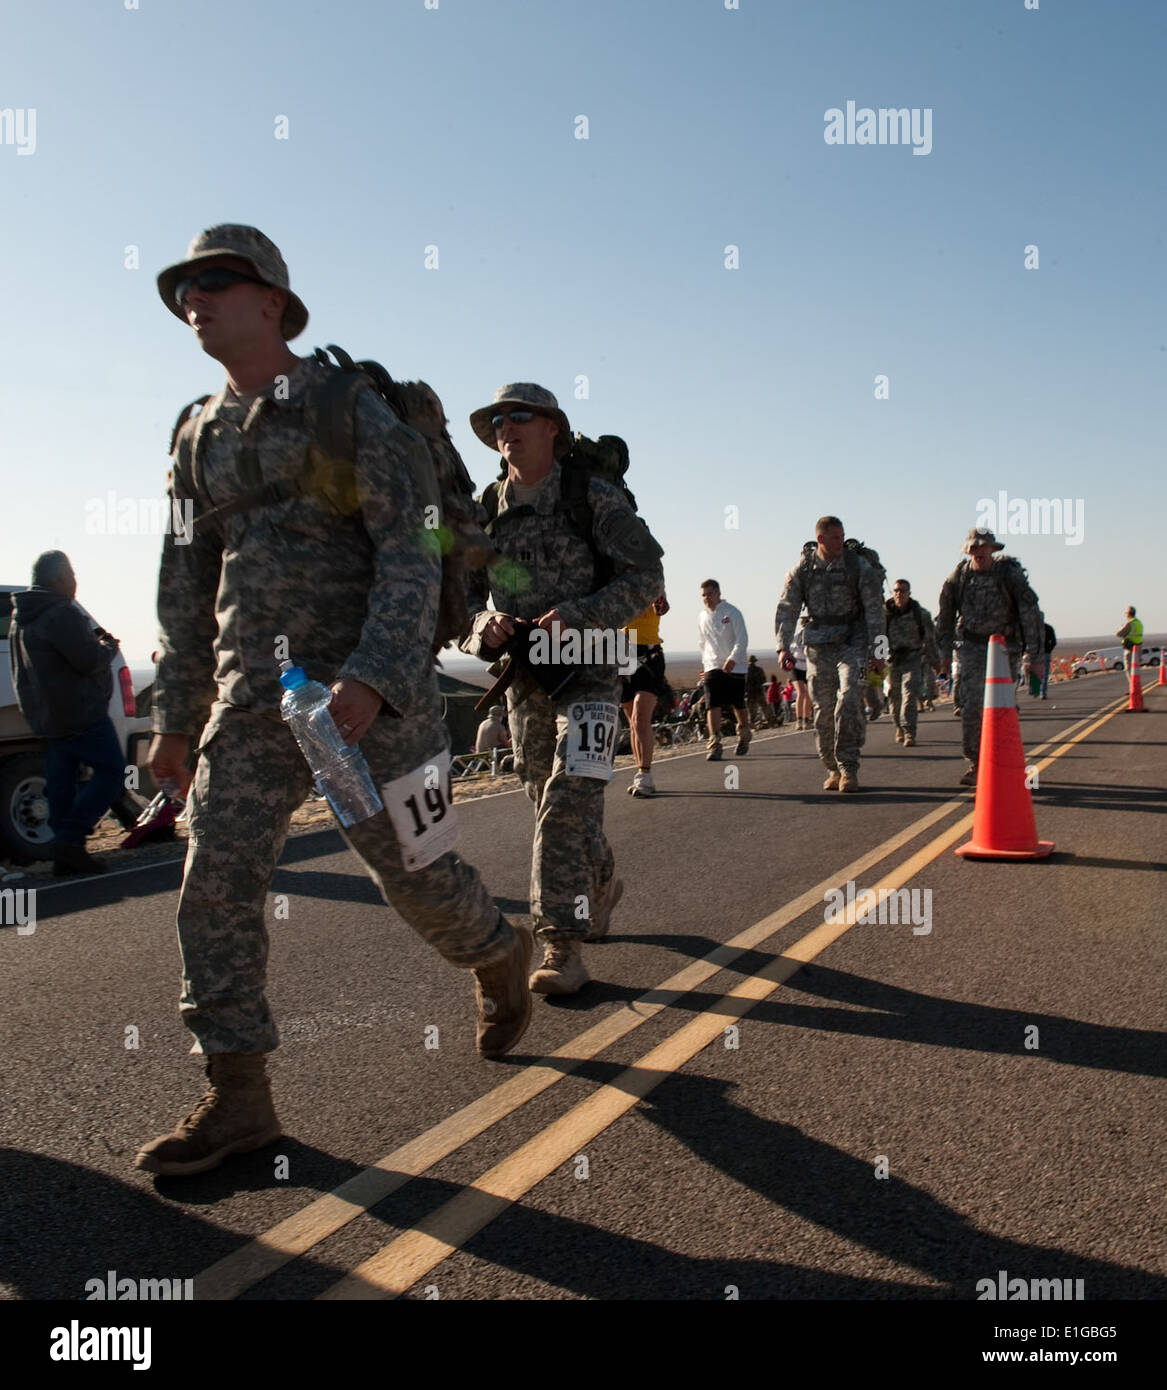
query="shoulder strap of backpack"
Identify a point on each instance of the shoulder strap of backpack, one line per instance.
(918, 616)
(489, 500)
(184, 447)
(574, 501)
(328, 408)
(960, 578)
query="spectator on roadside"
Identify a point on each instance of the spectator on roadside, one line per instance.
(1051, 641)
(774, 701)
(789, 697)
(1131, 633)
(493, 732)
(61, 674)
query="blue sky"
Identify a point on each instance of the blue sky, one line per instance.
(751, 389)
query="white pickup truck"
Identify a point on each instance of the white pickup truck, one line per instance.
(24, 809)
(1110, 659)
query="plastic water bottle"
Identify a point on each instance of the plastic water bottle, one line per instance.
(341, 773)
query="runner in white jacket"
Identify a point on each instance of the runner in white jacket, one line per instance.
(722, 641)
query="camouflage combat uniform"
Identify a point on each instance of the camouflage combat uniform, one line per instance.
(913, 648)
(845, 602)
(354, 591)
(549, 565)
(974, 607)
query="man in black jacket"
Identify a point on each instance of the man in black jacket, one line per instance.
(63, 682)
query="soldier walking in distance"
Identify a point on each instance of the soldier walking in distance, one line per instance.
(986, 595)
(563, 581)
(843, 596)
(339, 586)
(911, 637)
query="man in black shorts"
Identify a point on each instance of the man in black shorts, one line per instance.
(722, 642)
(642, 689)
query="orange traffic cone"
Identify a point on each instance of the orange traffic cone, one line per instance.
(1134, 704)
(1003, 824)
(1162, 667)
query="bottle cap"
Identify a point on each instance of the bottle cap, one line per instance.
(292, 677)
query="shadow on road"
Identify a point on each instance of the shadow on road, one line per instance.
(1104, 796)
(903, 1015)
(1095, 861)
(65, 1224)
(790, 1170)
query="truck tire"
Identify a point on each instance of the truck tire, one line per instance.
(24, 811)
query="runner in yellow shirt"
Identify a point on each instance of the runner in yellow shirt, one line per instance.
(641, 690)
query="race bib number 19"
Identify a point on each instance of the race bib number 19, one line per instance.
(421, 807)
(591, 739)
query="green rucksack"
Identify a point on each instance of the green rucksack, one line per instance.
(328, 471)
(852, 549)
(605, 458)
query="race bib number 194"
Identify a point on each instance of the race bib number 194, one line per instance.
(591, 739)
(421, 807)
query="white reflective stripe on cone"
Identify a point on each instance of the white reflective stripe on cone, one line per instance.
(998, 677)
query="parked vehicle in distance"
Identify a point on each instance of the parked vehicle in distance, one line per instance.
(24, 808)
(1104, 659)
(1110, 659)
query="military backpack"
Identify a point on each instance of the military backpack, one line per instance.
(893, 612)
(328, 471)
(852, 550)
(1004, 568)
(605, 458)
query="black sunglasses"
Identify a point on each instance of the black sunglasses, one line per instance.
(213, 281)
(520, 417)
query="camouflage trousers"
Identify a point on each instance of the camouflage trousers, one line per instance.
(571, 860)
(970, 693)
(250, 777)
(907, 686)
(837, 675)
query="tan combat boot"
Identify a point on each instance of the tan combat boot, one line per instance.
(235, 1116)
(602, 916)
(899, 735)
(909, 740)
(563, 970)
(713, 750)
(832, 782)
(504, 997)
(850, 782)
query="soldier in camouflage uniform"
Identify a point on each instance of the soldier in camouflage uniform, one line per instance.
(912, 640)
(844, 636)
(552, 576)
(352, 596)
(985, 595)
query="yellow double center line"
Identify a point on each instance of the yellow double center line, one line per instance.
(405, 1260)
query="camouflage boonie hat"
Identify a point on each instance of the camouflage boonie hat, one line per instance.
(249, 244)
(980, 535)
(524, 393)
